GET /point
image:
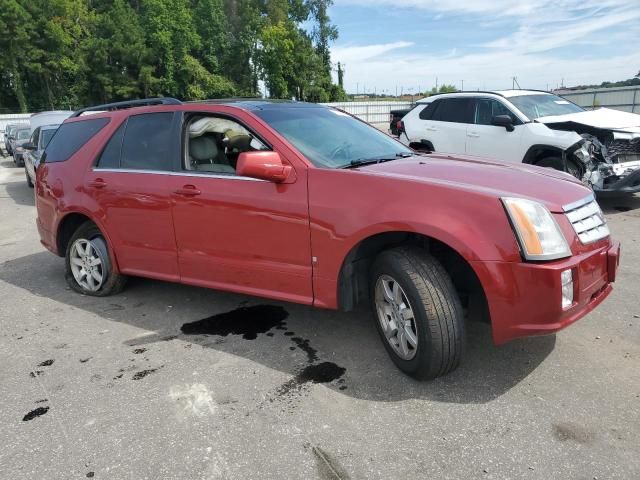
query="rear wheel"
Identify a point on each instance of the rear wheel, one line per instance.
(418, 312)
(88, 266)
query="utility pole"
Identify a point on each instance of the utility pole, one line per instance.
(436, 84)
(340, 75)
(462, 81)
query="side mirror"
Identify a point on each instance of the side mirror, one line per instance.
(263, 165)
(29, 146)
(503, 121)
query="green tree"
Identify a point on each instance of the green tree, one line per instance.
(15, 32)
(116, 54)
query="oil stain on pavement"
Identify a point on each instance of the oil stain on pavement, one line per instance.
(261, 319)
(35, 413)
(246, 321)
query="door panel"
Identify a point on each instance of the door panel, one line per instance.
(244, 235)
(491, 141)
(136, 211)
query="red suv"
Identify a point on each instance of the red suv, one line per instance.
(303, 203)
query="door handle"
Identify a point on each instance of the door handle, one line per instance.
(188, 191)
(98, 183)
(431, 129)
(473, 134)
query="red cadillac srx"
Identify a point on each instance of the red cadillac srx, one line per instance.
(303, 203)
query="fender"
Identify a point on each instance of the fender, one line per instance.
(94, 218)
(530, 157)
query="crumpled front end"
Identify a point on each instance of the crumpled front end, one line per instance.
(610, 162)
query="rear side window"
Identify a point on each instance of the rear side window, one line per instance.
(456, 110)
(427, 112)
(70, 137)
(147, 142)
(110, 157)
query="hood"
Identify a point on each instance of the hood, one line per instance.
(602, 118)
(499, 179)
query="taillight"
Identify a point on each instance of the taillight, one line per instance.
(400, 126)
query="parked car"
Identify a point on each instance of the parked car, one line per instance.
(9, 136)
(21, 136)
(304, 203)
(395, 116)
(599, 147)
(34, 148)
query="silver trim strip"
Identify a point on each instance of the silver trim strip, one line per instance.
(177, 174)
(572, 206)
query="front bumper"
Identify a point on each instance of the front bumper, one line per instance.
(525, 299)
(628, 184)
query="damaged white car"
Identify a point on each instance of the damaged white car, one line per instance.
(600, 147)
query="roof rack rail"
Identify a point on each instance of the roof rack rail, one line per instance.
(144, 102)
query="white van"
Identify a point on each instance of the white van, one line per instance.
(54, 117)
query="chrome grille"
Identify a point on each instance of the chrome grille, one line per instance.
(587, 220)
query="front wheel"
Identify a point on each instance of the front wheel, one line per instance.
(557, 164)
(418, 312)
(88, 267)
(29, 182)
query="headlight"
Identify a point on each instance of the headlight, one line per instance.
(583, 154)
(538, 234)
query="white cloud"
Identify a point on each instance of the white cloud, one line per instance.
(485, 71)
(351, 54)
(546, 40)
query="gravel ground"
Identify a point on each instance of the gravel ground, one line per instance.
(116, 388)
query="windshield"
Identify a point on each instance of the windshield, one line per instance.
(536, 106)
(23, 134)
(46, 136)
(330, 138)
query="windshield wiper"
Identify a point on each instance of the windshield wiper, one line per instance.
(369, 161)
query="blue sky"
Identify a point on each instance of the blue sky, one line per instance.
(408, 43)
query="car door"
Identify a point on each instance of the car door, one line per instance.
(239, 233)
(29, 156)
(131, 187)
(446, 128)
(493, 141)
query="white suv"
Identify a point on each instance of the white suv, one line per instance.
(600, 147)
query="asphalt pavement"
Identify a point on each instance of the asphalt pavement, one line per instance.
(165, 381)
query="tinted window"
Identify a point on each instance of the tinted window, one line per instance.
(487, 108)
(46, 137)
(427, 112)
(70, 137)
(147, 142)
(110, 157)
(457, 110)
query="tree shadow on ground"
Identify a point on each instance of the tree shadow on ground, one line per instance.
(348, 340)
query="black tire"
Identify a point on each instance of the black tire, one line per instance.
(29, 182)
(556, 163)
(438, 314)
(114, 282)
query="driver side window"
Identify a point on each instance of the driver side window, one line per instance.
(487, 108)
(213, 144)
